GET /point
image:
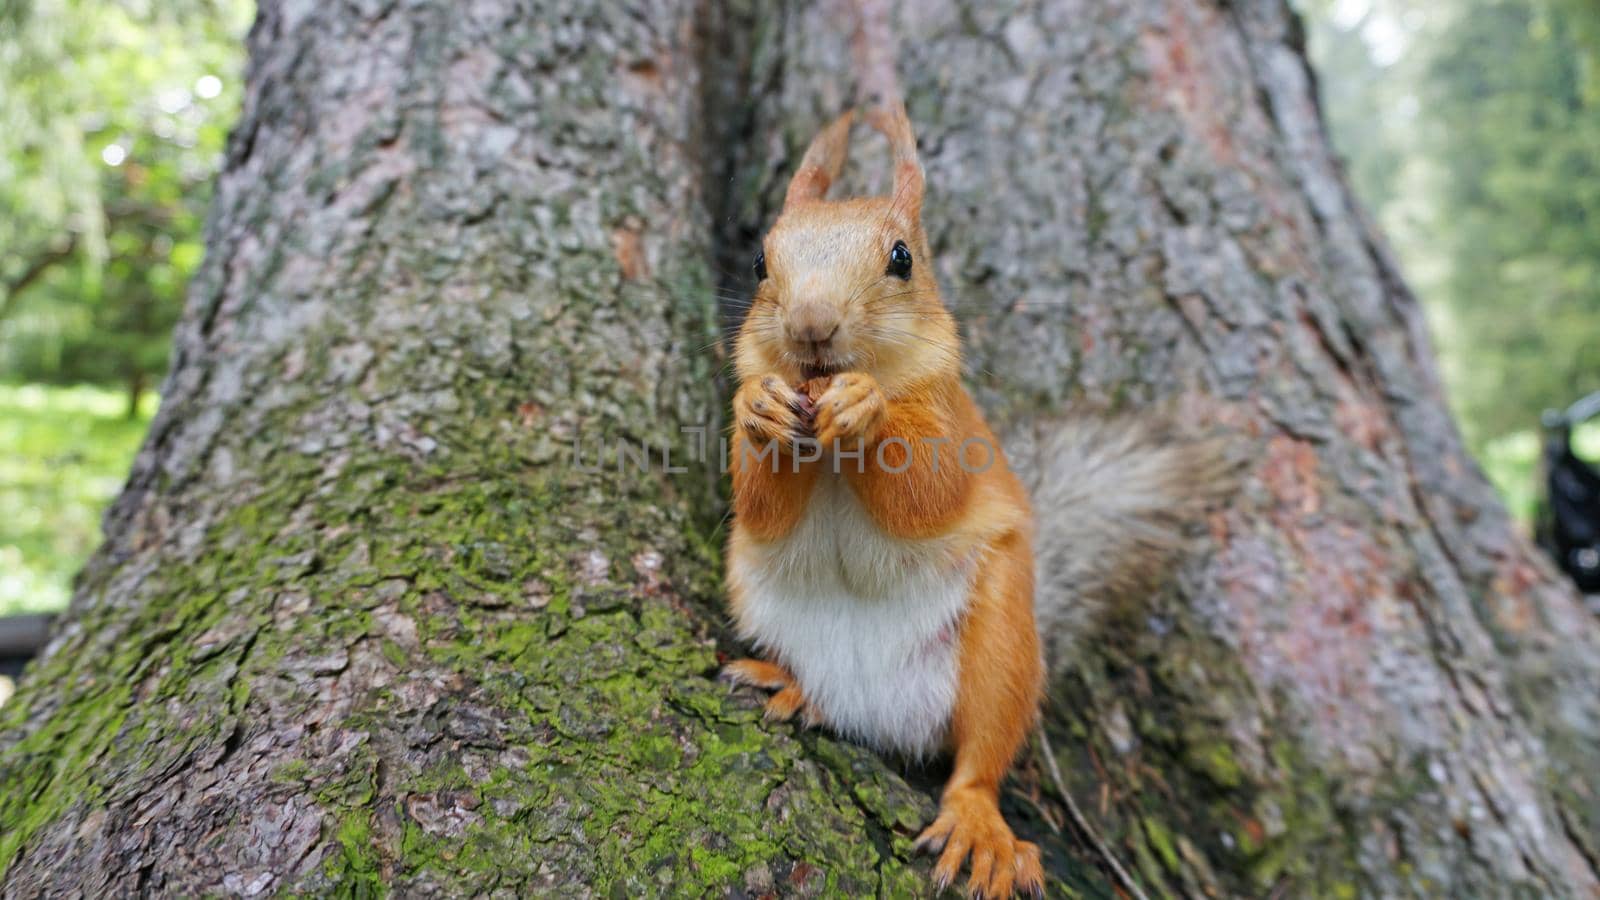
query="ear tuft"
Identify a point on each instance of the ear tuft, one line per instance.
(892, 121)
(823, 162)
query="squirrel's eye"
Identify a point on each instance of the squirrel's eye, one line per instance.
(760, 265)
(900, 261)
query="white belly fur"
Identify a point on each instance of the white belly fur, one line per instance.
(866, 621)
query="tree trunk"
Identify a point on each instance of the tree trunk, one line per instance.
(363, 622)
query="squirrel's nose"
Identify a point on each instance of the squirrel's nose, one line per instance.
(813, 323)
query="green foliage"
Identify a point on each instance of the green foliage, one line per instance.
(1512, 463)
(1517, 133)
(1472, 129)
(64, 453)
(113, 117)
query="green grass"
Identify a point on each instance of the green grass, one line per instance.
(64, 454)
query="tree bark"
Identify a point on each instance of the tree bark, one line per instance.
(363, 624)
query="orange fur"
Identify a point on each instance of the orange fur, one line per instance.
(1002, 678)
(922, 487)
(894, 362)
(769, 497)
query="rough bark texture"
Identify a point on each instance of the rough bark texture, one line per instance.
(361, 624)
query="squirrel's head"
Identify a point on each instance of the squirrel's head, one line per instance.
(848, 285)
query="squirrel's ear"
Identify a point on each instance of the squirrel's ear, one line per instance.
(891, 119)
(823, 162)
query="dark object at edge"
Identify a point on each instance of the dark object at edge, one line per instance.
(1569, 527)
(20, 638)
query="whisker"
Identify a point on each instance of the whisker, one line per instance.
(882, 297)
(894, 203)
(862, 288)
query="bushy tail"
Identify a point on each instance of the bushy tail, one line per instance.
(1117, 501)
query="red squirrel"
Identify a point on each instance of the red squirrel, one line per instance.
(880, 554)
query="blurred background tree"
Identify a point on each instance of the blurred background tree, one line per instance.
(113, 117)
(1471, 129)
(111, 128)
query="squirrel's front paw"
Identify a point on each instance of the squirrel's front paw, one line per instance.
(850, 411)
(768, 411)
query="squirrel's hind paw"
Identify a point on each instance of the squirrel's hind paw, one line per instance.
(1002, 866)
(788, 703)
(782, 706)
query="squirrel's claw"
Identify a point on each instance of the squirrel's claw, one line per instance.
(1029, 870)
(810, 717)
(949, 865)
(983, 871)
(928, 842)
